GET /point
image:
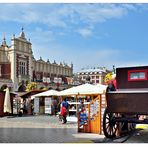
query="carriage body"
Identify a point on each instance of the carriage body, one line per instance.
(129, 101)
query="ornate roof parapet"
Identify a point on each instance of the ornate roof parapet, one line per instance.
(54, 62)
(4, 42)
(48, 61)
(71, 65)
(22, 34)
(61, 64)
(41, 60)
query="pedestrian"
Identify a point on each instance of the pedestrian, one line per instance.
(65, 103)
(64, 110)
(63, 114)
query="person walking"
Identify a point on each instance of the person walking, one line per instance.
(63, 114)
(64, 110)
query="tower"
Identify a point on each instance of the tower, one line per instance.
(21, 59)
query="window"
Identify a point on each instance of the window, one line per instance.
(92, 77)
(84, 77)
(22, 67)
(97, 77)
(137, 75)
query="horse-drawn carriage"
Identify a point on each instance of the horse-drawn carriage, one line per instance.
(127, 104)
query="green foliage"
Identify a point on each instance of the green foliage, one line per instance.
(31, 86)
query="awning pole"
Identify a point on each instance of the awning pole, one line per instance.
(77, 105)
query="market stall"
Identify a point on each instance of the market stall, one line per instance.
(45, 102)
(90, 119)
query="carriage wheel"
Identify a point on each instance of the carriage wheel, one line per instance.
(110, 126)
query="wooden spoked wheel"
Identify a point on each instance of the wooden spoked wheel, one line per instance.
(110, 126)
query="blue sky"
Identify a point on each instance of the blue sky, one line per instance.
(88, 35)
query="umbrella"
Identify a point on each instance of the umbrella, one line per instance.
(7, 103)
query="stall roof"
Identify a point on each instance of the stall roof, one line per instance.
(26, 94)
(45, 94)
(84, 89)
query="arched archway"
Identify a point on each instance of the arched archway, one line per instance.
(3, 87)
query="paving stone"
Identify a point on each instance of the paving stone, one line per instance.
(39, 129)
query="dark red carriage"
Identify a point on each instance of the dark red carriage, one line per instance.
(128, 103)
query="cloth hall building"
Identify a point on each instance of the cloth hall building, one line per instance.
(18, 64)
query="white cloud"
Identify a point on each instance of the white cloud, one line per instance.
(69, 17)
(61, 15)
(80, 18)
(85, 32)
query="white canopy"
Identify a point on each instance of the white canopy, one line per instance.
(46, 94)
(102, 87)
(85, 89)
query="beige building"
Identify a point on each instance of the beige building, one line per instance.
(95, 76)
(18, 64)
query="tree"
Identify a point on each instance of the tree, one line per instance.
(108, 77)
(31, 86)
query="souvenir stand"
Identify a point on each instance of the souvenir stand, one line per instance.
(43, 102)
(90, 118)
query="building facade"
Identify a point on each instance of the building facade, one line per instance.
(94, 76)
(17, 64)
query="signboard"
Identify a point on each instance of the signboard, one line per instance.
(44, 79)
(15, 107)
(48, 105)
(48, 80)
(83, 118)
(57, 80)
(91, 111)
(94, 109)
(36, 105)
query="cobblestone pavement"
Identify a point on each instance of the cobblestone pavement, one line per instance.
(42, 129)
(140, 136)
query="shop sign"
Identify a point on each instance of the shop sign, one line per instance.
(48, 105)
(57, 80)
(36, 105)
(44, 79)
(48, 80)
